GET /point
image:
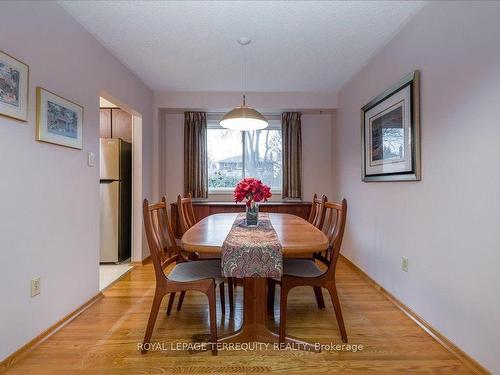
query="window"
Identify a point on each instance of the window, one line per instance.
(233, 155)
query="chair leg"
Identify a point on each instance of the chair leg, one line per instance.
(222, 299)
(170, 303)
(152, 319)
(338, 312)
(213, 319)
(181, 299)
(319, 297)
(271, 291)
(230, 283)
(283, 304)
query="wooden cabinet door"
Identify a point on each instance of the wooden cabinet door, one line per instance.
(105, 122)
(121, 124)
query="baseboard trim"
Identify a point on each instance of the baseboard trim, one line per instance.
(143, 262)
(25, 349)
(468, 361)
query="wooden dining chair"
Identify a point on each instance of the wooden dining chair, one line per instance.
(317, 213)
(187, 219)
(185, 212)
(304, 272)
(201, 276)
(316, 218)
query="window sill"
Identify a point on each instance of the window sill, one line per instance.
(220, 192)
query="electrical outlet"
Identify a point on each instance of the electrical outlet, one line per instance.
(404, 264)
(35, 287)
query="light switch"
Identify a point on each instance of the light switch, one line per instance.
(35, 287)
(404, 264)
(91, 159)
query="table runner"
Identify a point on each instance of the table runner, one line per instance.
(252, 251)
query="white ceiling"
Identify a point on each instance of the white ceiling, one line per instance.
(191, 46)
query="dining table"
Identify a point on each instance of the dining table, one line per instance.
(298, 238)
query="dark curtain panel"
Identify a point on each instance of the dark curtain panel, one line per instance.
(292, 154)
(195, 154)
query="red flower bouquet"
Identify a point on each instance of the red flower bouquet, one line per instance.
(252, 190)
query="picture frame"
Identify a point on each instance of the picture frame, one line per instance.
(58, 120)
(14, 87)
(390, 133)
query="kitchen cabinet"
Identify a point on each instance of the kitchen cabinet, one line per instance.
(115, 123)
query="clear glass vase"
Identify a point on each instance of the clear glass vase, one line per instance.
(252, 214)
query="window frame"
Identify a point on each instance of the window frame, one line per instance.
(214, 124)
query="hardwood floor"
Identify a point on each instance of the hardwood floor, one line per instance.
(103, 339)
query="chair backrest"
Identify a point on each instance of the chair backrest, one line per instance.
(317, 214)
(185, 212)
(160, 236)
(335, 218)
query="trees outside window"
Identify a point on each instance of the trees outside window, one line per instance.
(233, 155)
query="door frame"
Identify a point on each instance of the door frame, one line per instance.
(137, 234)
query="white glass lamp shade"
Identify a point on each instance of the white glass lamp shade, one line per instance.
(244, 119)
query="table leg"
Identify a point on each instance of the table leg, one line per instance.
(254, 328)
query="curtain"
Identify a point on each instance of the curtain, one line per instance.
(195, 154)
(292, 154)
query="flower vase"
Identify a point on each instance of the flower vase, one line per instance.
(252, 214)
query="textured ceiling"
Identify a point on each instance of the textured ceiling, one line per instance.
(191, 46)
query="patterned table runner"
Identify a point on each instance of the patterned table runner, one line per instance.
(252, 251)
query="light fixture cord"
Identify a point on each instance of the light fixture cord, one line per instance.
(244, 73)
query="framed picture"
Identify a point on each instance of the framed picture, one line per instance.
(58, 120)
(14, 78)
(390, 133)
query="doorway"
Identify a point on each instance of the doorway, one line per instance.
(118, 187)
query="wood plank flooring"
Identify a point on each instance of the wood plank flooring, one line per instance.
(103, 340)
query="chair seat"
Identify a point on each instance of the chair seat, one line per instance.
(301, 268)
(197, 270)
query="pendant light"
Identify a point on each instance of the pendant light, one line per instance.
(243, 118)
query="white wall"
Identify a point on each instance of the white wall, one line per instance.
(49, 197)
(317, 172)
(448, 224)
(316, 156)
(172, 156)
